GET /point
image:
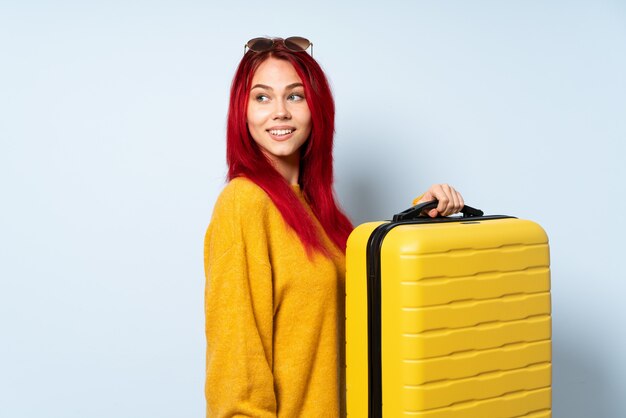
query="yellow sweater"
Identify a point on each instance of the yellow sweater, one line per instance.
(274, 318)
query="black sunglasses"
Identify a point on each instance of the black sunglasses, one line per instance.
(293, 43)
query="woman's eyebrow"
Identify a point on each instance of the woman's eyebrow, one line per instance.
(266, 87)
(261, 86)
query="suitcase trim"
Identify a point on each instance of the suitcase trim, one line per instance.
(374, 324)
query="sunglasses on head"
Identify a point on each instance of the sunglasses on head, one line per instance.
(293, 43)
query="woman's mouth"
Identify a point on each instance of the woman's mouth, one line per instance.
(280, 134)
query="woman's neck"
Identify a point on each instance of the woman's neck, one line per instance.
(288, 167)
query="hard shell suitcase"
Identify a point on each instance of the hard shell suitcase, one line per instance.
(448, 317)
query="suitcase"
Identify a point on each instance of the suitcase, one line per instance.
(448, 317)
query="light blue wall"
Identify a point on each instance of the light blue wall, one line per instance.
(112, 121)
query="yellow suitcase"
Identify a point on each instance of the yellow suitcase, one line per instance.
(448, 317)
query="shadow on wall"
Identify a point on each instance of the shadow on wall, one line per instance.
(580, 388)
(376, 183)
(359, 202)
(361, 191)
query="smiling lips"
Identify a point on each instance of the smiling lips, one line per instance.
(281, 134)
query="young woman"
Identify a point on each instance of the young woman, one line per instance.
(274, 250)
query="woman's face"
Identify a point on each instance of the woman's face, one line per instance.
(278, 115)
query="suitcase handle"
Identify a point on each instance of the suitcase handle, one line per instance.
(416, 211)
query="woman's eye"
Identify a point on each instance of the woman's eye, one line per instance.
(296, 97)
(262, 98)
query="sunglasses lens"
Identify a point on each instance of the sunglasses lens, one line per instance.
(296, 43)
(260, 44)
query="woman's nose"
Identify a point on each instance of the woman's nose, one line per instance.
(281, 111)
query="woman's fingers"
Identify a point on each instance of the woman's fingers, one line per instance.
(450, 200)
(457, 200)
(455, 197)
(461, 201)
(443, 198)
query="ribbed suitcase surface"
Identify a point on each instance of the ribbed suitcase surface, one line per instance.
(465, 325)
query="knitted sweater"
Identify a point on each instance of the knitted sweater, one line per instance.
(274, 317)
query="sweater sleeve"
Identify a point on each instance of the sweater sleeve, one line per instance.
(238, 314)
(417, 199)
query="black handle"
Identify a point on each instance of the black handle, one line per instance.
(417, 210)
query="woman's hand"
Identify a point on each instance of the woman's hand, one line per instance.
(450, 201)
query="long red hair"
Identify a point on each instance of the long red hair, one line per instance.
(245, 158)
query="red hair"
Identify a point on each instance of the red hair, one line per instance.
(245, 158)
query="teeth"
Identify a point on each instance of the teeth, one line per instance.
(281, 131)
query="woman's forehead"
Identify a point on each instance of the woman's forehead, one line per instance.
(275, 73)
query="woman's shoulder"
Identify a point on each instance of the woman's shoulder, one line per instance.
(239, 193)
(244, 190)
(241, 206)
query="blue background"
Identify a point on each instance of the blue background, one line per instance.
(112, 126)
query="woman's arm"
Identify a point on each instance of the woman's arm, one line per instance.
(239, 319)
